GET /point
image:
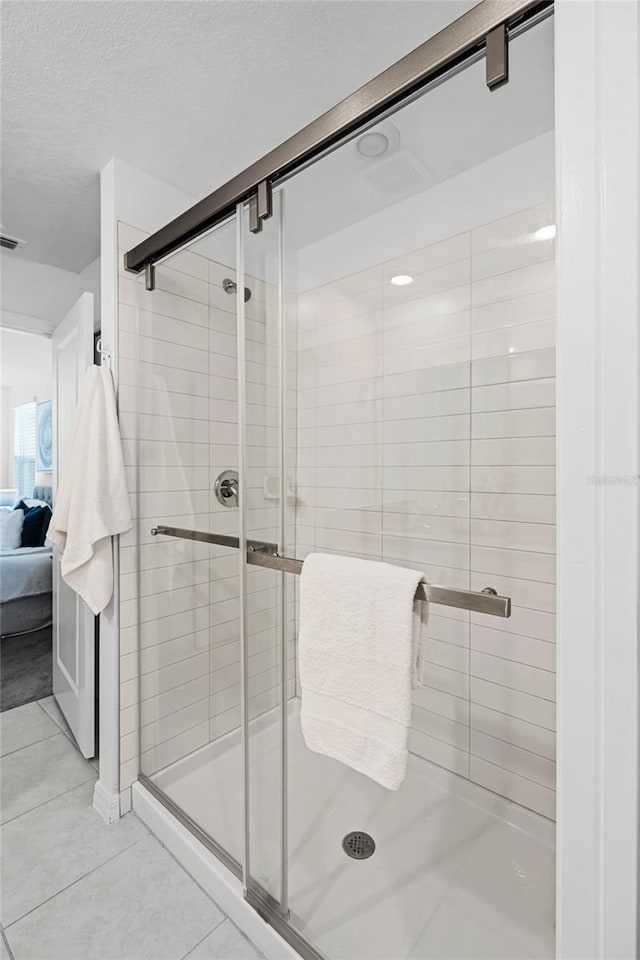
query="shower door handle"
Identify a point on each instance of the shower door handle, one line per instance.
(263, 554)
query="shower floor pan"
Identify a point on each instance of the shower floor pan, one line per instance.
(457, 872)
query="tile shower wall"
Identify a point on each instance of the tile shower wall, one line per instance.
(426, 427)
(181, 611)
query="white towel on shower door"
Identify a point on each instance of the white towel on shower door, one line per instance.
(92, 503)
(359, 654)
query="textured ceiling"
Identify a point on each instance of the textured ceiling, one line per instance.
(190, 92)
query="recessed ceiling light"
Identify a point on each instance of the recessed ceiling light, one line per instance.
(372, 144)
(401, 279)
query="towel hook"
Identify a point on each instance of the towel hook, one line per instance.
(105, 353)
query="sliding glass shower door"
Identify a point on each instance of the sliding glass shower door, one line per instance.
(189, 608)
(215, 665)
(370, 373)
(418, 259)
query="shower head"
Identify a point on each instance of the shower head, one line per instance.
(230, 286)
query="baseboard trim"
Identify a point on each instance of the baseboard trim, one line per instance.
(105, 803)
(125, 801)
(221, 885)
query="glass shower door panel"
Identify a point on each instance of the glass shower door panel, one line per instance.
(187, 591)
(424, 413)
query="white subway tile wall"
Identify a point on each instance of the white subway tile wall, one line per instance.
(426, 437)
(420, 431)
(179, 599)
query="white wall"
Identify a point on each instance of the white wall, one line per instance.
(426, 422)
(463, 357)
(128, 196)
(5, 438)
(185, 621)
(25, 375)
(89, 282)
(34, 297)
(597, 69)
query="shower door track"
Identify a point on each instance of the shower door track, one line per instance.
(483, 30)
(230, 862)
(263, 554)
(269, 909)
(261, 901)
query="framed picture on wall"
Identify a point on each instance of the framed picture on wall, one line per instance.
(44, 437)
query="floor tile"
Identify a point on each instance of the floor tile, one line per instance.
(50, 706)
(226, 942)
(57, 843)
(4, 953)
(139, 905)
(40, 772)
(22, 726)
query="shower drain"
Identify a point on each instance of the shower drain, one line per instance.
(358, 845)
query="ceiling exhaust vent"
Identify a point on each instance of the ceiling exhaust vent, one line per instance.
(399, 174)
(11, 243)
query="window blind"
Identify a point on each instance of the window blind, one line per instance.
(24, 448)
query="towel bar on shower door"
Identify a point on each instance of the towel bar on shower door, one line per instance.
(263, 554)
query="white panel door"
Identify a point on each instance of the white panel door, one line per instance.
(73, 621)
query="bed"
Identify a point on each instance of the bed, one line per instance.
(26, 584)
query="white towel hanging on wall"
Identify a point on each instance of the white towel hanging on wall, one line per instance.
(92, 502)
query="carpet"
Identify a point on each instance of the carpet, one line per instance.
(25, 668)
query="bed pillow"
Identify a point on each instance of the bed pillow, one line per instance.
(11, 523)
(36, 523)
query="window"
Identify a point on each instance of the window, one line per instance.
(24, 448)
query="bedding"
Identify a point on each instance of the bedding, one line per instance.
(26, 575)
(11, 523)
(25, 590)
(25, 615)
(36, 523)
(25, 572)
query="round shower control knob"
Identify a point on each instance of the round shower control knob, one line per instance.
(226, 488)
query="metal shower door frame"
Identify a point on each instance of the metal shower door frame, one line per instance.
(273, 910)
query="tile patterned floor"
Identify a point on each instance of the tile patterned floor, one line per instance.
(74, 888)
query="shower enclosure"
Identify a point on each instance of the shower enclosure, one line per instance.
(355, 355)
